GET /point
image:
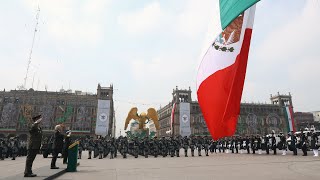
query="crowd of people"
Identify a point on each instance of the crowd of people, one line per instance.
(170, 146)
(104, 147)
(12, 147)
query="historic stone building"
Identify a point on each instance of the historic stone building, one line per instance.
(76, 110)
(254, 118)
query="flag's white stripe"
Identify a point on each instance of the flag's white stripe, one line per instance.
(289, 118)
(214, 60)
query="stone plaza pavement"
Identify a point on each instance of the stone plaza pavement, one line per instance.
(216, 166)
(13, 170)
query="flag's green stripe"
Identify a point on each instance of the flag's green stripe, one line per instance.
(230, 9)
(287, 119)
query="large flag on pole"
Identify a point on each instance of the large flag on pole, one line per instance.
(222, 70)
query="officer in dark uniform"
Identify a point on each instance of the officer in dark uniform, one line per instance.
(293, 143)
(304, 142)
(273, 143)
(34, 145)
(266, 143)
(57, 145)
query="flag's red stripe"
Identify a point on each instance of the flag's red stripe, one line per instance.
(292, 120)
(220, 94)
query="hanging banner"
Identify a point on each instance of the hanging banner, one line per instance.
(185, 129)
(103, 114)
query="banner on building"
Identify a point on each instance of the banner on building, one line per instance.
(288, 111)
(103, 114)
(185, 129)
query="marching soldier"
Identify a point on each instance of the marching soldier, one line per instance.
(112, 148)
(80, 148)
(171, 146)
(100, 148)
(253, 144)
(314, 143)
(303, 142)
(259, 146)
(146, 148)
(90, 147)
(193, 143)
(14, 148)
(34, 145)
(185, 145)
(124, 146)
(206, 143)
(177, 146)
(273, 143)
(267, 143)
(163, 147)
(248, 144)
(283, 144)
(199, 145)
(293, 143)
(155, 147)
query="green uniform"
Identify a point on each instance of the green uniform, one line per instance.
(33, 146)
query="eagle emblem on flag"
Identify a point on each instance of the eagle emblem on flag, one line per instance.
(230, 35)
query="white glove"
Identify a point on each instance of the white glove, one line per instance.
(69, 133)
(38, 121)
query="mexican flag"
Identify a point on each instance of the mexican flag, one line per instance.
(222, 70)
(288, 112)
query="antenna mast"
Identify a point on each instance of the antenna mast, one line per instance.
(34, 34)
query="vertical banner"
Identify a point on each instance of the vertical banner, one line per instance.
(172, 117)
(289, 116)
(185, 119)
(103, 114)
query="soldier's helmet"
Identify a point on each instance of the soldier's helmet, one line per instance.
(272, 132)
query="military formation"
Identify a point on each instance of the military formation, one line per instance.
(171, 146)
(12, 147)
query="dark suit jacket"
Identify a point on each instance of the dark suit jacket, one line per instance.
(57, 141)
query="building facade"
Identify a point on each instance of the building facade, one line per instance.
(254, 118)
(303, 120)
(76, 110)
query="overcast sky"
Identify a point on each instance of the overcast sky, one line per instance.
(145, 48)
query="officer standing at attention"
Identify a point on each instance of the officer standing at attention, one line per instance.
(33, 145)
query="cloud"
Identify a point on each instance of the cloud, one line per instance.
(194, 19)
(70, 21)
(293, 39)
(143, 20)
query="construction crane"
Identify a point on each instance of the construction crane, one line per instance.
(30, 54)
